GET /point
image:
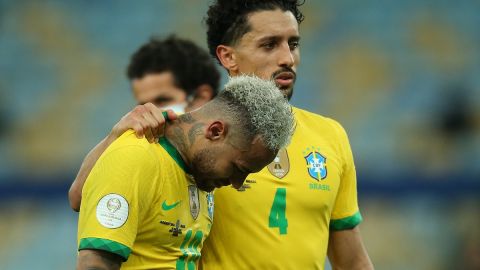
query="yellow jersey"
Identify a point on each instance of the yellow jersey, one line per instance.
(281, 217)
(139, 203)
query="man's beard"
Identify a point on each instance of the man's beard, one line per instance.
(286, 91)
(202, 168)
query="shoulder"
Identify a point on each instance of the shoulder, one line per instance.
(125, 163)
(322, 123)
(129, 152)
(128, 142)
(128, 138)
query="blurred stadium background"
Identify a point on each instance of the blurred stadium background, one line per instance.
(401, 76)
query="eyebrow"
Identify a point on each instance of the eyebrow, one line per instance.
(276, 38)
(295, 38)
(268, 38)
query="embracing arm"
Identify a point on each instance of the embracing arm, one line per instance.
(75, 192)
(346, 250)
(147, 120)
(90, 259)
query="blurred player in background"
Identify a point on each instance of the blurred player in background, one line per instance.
(166, 74)
(148, 204)
(304, 204)
(173, 74)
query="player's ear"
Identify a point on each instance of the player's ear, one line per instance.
(227, 57)
(216, 130)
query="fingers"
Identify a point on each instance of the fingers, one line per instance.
(138, 128)
(156, 114)
(149, 135)
(146, 120)
(172, 115)
(136, 121)
(152, 132)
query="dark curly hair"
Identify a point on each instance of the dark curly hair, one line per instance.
(227, 19)
(190, 65)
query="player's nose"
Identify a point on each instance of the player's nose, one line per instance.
(285, 57)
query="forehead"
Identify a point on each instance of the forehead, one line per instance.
(271, 23)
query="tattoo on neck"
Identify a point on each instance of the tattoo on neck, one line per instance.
(180, 138)
(195, 130)
(186, 118)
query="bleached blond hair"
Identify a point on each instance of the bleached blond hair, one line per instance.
(258, 108)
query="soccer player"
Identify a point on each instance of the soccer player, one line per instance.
(304, 204)
(149, 205)
(172, 74)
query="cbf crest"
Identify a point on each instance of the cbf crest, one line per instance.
(194, 201)
(316, 163)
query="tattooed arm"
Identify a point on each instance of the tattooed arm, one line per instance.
(90, 259)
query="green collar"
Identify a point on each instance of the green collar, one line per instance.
(172, 151)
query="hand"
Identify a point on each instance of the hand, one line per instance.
(147, 120)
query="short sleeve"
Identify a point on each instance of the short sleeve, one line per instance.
(346, 214)
(115, 198)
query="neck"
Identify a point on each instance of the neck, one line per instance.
(182, 134)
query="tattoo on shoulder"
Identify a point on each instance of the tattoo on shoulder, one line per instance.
(186, 118)
(195, 130)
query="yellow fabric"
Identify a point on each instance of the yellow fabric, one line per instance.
(243, 236)
(147, 176)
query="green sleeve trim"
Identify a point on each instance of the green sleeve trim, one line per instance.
(106, 245)
(346, 223)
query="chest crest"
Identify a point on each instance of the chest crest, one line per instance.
(316, 163)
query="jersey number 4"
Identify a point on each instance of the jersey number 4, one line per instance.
(277, 217)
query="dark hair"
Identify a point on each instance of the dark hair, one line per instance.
(227, 19)
(190, 65)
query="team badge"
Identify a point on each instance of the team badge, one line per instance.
(194, 201)
(210, 204)
(112, 211)
(316, 164)
(280, 166)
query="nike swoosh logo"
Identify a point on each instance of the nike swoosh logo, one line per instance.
(167, 207)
